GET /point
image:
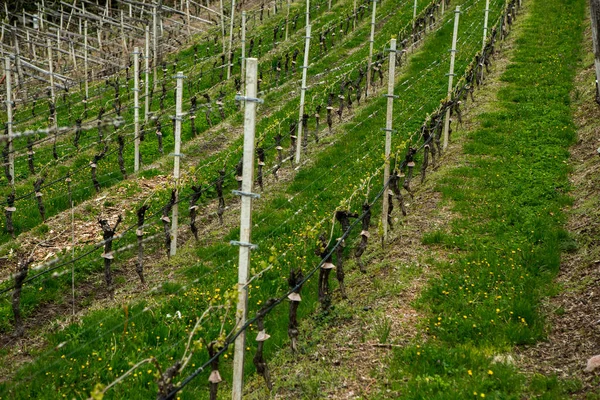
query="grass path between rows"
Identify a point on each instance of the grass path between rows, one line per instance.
(507, 238)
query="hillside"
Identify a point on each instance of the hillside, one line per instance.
(459, 301)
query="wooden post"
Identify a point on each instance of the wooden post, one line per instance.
(414, 15)
(355, 16)
(51, 70)
(443, 6)
(287, 20)
(9, 121)
(307, 12)
(187, 15)
(245, 225)
(154, 46)
(18, 61)
(222, 24)
(329, 5)
(136, 108)
(371, 41)
(85, 59)
(243, 67)
(147, 73)
(302, 94)
(230, 39)
(123, 36)
(451, 74)
(176, 158)
(388, 135)
(485, 24)
(595, 17)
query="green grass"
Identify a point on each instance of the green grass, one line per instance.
(510, 232)
(209, 166)
(106, 341)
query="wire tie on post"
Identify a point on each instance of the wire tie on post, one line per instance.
(240, 193)
(245, 244)
(252, 99)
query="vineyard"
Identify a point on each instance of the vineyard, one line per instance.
(209, 199)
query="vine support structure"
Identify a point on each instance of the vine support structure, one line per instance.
(245, 224)
(451, 74)
(85, 60)
(230, 39)
(371, 42)
(303, 94)
(147, 73)
(388, 135)
(9, 120)
(136, 108)
(176, 157)
(243, 67)
(485, 24)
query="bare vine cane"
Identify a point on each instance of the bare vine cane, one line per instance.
(279, 149)
(239, 170)
(207, 109)
(165, 379)
(317, 123)
(21, 274)
(37, 186)
(8, 212)
(329, 112)
(215, 377)
(219, 188)
(395, 189)
(121, 142)
(305, 118)
(410, 165)
(197, 193)
(260, 152)
(259, 360)
(30, 155)
(167, 221)
(159, 136)
(94, 166)
(139, 267)
(108, 233)
(77, 133)
(321, 251)
(344, 219)
(296, 276)
(293, 140)
(341, 99)
(364, 237)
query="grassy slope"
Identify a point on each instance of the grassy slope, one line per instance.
(509, 237)
(103, 341)
(52, 292)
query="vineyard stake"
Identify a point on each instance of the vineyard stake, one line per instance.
(370, 61)
(51, 70)
(9, 122)
(388, 135)
(485, 24)
(287, 20)
(451, 74)
(243, 68)
(415, 16)
(147, 73)
(187, 15)
(595, 21)
(302, 94)
(154, 47)
(85, 58)
(136, 107)
(222, 24)
(177, 157)
(245, 224)
(307, 12)
(230, 39)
